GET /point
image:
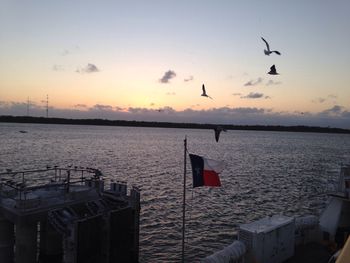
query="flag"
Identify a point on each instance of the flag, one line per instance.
(205, 171)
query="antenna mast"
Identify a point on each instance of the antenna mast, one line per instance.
(47, 106)
(27, 106)
(184, 204)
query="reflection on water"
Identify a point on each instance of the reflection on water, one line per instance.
(266, 173)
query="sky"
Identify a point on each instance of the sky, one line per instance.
(147, 60)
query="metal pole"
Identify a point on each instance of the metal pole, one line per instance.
(184, 203)
(68, 181)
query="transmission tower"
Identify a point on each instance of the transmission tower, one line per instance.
(28, 106)
(47, 106)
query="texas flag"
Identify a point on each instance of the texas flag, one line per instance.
(205, 171)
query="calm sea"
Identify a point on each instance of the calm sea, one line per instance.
(266, 173)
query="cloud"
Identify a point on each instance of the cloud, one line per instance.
(21, 108)
(253, 82)
(57, 67)
(336, 116)
(80, 106)
(332, 96)
(272, 82)
(142, 111)
(346, 114)
(117, 108)
(237, 94)
(101, 107)
(89, 68)
(171, 93)
(245, 110)
(69, 51)
(255, 95)
(335, 110)
(65, 52)
(319, 100)
(190, 78)
(329, 98)
(168, 75)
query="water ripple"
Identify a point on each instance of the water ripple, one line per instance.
(266, 173)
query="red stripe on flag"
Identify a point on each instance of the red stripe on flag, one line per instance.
(211, 178)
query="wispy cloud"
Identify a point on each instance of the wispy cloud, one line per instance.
(57, 67)
(237, 94)
(81, 106)
(168, 75)
(101, 107)
(332, 96)
(271, 82)
(336, 116)
(117, 108)
(190, 78)
(150, 112)
(329, 98)
(65, 52)
(255, 95)
(89, 68)
(335, 110)
(253, 82)
(68, 51)
(171, 93)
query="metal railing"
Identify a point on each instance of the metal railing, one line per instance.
(18, 185)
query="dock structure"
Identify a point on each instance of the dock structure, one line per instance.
(66, 215)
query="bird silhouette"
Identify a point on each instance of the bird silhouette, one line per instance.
(273, 71)
(268, 51)
(204, 94)
(218, 130)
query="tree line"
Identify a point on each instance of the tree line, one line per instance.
(105, 122)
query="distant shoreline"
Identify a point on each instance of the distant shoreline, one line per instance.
(102, 122)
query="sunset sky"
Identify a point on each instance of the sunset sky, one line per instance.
(147, 60)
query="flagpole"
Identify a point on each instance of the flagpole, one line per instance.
(184, 203)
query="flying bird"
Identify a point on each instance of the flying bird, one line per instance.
(273, 71)
(204, 94)
(268, 51)
(218, 130)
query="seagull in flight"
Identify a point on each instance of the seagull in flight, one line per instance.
(204, 94)
(273, 71)
(218, 130)
(268, 51)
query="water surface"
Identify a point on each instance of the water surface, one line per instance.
(266, 173)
